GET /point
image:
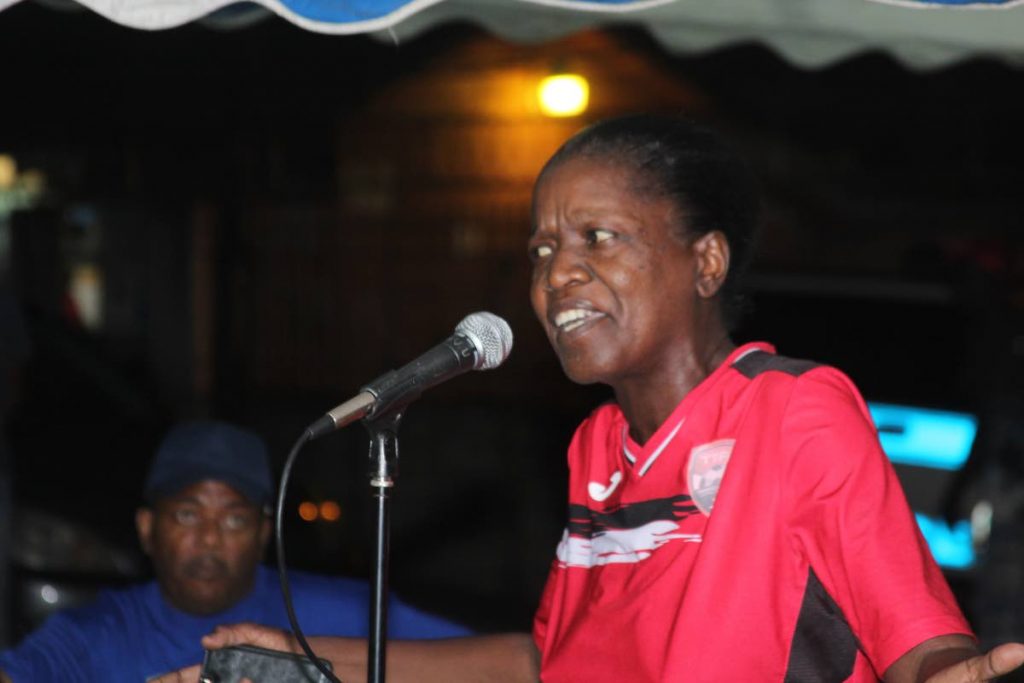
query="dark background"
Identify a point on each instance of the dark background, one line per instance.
(279, 216)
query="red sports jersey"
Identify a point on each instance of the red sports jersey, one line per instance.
(760, 534)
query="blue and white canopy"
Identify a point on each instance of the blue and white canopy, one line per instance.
(921, 33)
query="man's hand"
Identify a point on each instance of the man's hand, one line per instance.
(250, 634)
(996, 662)
(187, 675)
(236, 634)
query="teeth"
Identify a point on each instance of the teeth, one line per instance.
(573, 318)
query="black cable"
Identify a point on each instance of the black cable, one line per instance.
(282, 571)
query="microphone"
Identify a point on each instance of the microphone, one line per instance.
(482, 341)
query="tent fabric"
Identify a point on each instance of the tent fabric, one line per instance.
(810, 33)
(323, 16)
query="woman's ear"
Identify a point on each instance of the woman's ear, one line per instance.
(712, 251)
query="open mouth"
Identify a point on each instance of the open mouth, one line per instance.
(574, 318)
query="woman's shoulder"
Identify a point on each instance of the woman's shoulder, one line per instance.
(601, 418)
(764, 361)
(802, 374)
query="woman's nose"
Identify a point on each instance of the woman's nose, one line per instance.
(566, 267)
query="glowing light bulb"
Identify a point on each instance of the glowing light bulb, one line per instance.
(563, 95)
(330, 511)
(308, 511)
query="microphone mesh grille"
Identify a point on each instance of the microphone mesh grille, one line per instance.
(491, 336)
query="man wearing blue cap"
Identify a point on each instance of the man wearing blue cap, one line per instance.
(205, 526)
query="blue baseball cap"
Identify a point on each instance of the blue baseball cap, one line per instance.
(208, 449)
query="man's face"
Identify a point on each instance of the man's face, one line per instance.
(613, 285)
(205, 543)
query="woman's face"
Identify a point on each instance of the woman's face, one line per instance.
(613, 284)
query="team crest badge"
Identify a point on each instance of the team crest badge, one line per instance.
(705, 471)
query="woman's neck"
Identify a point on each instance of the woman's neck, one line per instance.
(647, 402)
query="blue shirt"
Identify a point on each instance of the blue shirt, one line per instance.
(133, 634)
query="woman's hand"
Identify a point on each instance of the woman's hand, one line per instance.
(954, 659)
(996, 662)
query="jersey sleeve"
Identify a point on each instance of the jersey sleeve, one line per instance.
(850, 517)
(59, 651)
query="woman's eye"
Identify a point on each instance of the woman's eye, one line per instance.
(599, 235)
(542, 251)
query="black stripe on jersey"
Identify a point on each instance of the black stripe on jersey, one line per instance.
(824, 648)
(586, 522)
(756, 362)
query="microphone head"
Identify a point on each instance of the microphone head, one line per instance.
(490, 335)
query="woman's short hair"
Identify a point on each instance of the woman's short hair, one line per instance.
(710, 184)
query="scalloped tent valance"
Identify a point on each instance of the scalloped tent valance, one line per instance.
(922, 34)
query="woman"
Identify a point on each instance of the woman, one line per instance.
(732, 516)
(811, 559)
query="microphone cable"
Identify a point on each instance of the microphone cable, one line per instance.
(282, 570)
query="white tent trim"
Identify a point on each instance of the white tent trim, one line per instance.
(808, 33)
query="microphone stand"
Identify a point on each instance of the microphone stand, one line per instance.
(383, 469)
